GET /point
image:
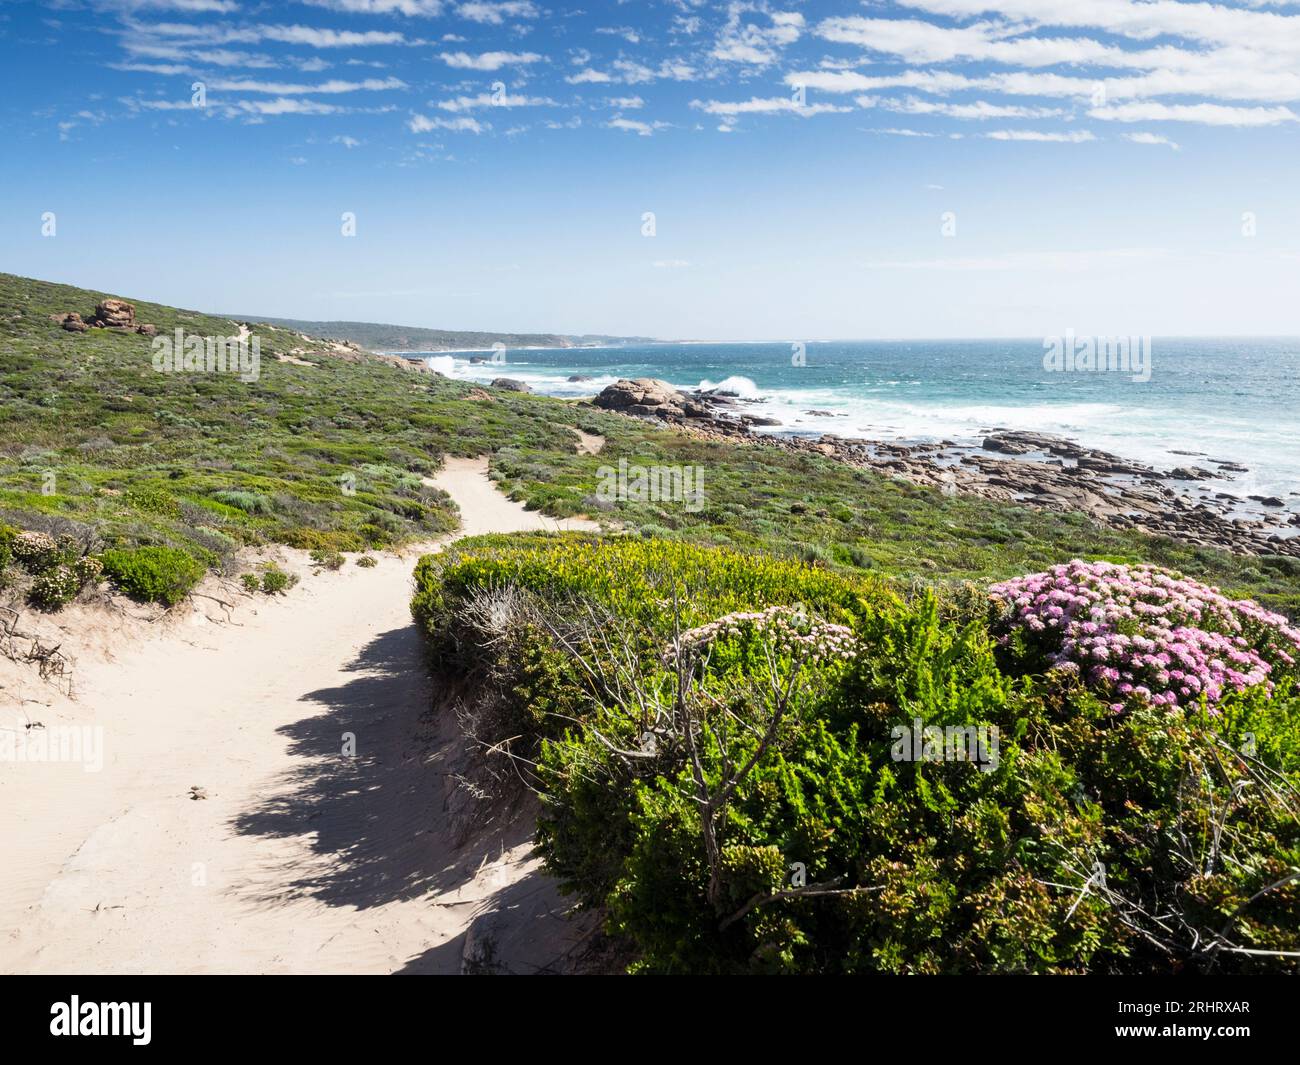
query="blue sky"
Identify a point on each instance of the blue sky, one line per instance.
(815, 170)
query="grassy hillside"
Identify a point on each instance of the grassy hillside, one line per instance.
(97, 444)
(327, 454)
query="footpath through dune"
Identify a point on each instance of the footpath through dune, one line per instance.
(228, 832)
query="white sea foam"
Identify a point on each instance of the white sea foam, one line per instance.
(736, 385)
(893, 409)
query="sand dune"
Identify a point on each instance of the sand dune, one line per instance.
(298, 858)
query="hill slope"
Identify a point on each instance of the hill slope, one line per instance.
(327, 447)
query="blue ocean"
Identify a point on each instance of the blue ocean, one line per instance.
(1227, 399)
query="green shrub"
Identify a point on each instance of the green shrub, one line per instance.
(328, 559)
(836, 851)
(153, 574)
(251, 583)
(367, 561)
(153, 500)
(6, 546)
(275, 580)
(248, 502)
(959, 869)
(632, 578)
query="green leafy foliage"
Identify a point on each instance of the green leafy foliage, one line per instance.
(1076, 840)
(153, 574)
(276, 581)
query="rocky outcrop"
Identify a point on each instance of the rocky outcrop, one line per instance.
(509, 384)
(646, 396)
(1033, 469)
(71, 321)
(117, 315)
(114, 314)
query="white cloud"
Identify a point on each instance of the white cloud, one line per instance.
(896, 132)
(589, 77)
(645, 129)
(324, 38)
(494, 14)
(206, 7)
(768, 106)
(488, 60)
(287, 106)
(471, 103)
(410, 8)
(628, 34)
(1211, 24)
(1078, 136)
(1206, 114)
(978, 109)
(464, 124)
(276, 88)
(743, 41)
(1150, 138)
(629, 72)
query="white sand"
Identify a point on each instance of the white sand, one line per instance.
(299, 859)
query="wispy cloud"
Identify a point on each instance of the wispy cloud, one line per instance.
(1151, 138)
(1206, 114)
(410, 8)
(494, 14)
(1077, 136)
(464, 124)
(473, 103)
(279, 88)
(632, 125)
(772, 105)
(489, 60)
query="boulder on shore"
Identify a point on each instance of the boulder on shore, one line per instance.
(647, 394)
(509, 384)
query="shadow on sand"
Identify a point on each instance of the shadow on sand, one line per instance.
(376, 820)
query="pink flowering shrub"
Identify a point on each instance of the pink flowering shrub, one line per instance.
(1143, 634)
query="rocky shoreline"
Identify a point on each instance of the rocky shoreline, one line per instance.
(1038, 469)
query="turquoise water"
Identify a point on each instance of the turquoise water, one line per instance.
(1233, 399)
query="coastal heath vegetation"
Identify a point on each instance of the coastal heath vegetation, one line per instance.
(711, 736)
(332, 455)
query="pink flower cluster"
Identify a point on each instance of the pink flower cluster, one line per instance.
(1140, 633)
(788, 628)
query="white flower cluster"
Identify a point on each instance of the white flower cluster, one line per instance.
(789, 628)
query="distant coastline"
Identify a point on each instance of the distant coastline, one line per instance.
(408, 339)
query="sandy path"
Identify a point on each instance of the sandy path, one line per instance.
(300, 859)
(589, 443)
